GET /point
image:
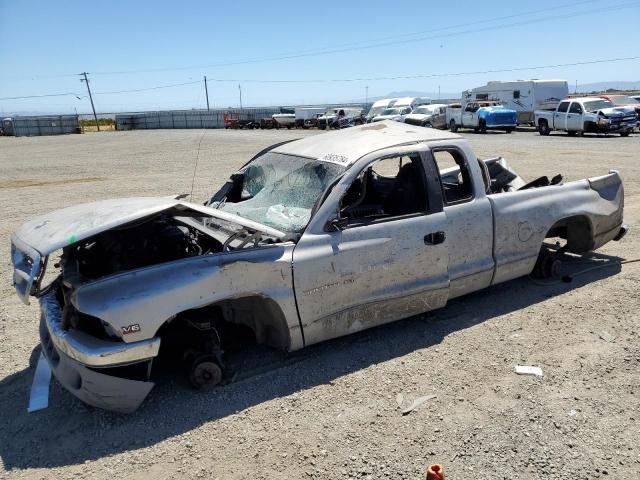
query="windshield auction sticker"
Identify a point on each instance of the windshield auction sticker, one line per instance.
(333, 158)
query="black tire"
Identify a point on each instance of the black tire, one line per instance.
(543, 127)
(571, 133)
(452, 126)
(509, 130)
(483, 126)
(625, 134)
(427, 125)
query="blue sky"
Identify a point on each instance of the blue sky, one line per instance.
(44, 43)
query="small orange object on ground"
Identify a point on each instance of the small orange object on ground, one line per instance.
(435, 472)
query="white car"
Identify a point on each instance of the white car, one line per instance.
(397, 114)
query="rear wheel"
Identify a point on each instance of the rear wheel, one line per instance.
(452, 126)
(427, 125)
(543, 127)
(625, 134)
(571, 133)
(482, 126)
(509, 130)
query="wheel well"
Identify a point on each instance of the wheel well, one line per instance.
(576, 230)
(261, 315)
(543, 121)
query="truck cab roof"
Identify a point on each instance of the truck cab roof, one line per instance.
(348, 145)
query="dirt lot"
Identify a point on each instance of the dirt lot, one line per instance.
(331, 411)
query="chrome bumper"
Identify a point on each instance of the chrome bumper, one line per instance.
(89, 350)
(71, 363)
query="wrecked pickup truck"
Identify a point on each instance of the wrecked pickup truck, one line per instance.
(310, 240)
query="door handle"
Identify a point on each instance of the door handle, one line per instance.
(434, 238)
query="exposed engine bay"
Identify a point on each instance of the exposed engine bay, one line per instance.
(161, 239)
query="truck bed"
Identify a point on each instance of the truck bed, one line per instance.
(586, 213)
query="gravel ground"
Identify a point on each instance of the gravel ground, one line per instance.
(332, 411)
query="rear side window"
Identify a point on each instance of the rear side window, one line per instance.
(516, 94)
(454, 175)
(563, 107)
(575, 108)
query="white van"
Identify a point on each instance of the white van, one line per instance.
(412, 102)
(378, 106)
(523, 96)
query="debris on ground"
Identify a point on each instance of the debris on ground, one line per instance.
(607, 337)
(416, 403)
(528, 370)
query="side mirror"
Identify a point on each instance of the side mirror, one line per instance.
(336, 224)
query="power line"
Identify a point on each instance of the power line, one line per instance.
(346, 80)
(149, 88)
(158, 87)
(43, 96)
(330, 50)
(430, 75)
(395, 39)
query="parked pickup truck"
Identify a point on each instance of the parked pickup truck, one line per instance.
(482, 116)
(311, 240)
(586, 115)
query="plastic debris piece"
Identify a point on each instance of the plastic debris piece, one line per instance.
(607, 337)
(39, 397)
(435, 472)
(416, 403)
(400, 399)
(527, 370)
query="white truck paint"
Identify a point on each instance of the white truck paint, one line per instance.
(386, 234)
(586, 115)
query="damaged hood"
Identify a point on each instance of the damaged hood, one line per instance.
(52, 231)
(39, 237)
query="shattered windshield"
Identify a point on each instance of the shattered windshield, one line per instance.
(279, 190)
(595, 105)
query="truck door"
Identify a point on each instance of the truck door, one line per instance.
(387, 258)
(469, 118)
(560, 116)
(574, 118)
(469, 219)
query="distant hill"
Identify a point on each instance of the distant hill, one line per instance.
(602, 86)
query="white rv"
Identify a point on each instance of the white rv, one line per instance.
(523, 96)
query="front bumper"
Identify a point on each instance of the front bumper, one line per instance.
(618, 127)
(76, 360)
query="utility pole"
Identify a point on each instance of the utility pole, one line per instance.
(366, 95)
(576, 90)
(206, 91)
(438, 92)
(86, 80)
(240, 90)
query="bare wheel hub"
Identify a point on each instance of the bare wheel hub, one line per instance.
(205, 373)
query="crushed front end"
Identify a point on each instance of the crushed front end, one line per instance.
(102, 372)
